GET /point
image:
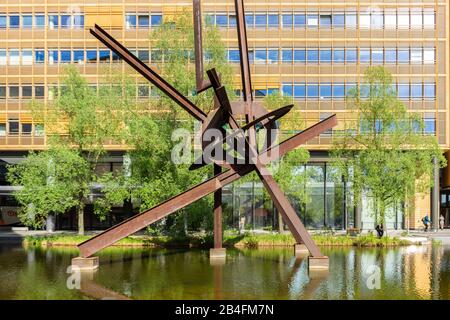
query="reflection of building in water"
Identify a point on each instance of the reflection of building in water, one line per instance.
(417, 269)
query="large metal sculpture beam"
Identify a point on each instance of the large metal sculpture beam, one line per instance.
(225, 113)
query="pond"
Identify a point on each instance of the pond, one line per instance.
(415, 272)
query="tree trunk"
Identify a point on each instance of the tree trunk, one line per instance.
(80, 212)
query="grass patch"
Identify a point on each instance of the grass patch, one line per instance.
(206, 240)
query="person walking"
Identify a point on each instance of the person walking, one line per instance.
(441, 222)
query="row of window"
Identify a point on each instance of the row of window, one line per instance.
(297, 90)
(259, 56)
(339, 55)
(38, 20)
(324, 91)
(389, 19)
(15, 127)
(415, 18)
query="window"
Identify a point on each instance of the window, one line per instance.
(416, 90)
(351, 55)
(156, 20)
(428, 19)
(429, 125)
(39, 21)
(287, 20)
(27, 57)
(403, 55)
(416, 56)
(130, 21)
(312, 90)
(52, 56)
(260, 20)
(273, 20)
(299, 91)
(2, 129)
(377, 21)
(287, 89)
(53, 21)
(38, 130)
(325, 20)
(2, 92)
(350, 20)
(233, 55)
(299, 55)
(66, 21)
(325, 91)
(78, 56)
(339, 56)
(391, 55)
(364, 55)
(313, 55)
(26, 129)
(312, 20)
(259, 93)
(260, 56)
(377, 56)
(2, 57)
(350, 88)
(104, 55)
(364, 90)
(286, 55)
(390, 19)
(66, 56)
(403, 19)
(403, 91)
(428, 56)
(416, 19)
(272, 56)
(222, 20)
(13, 125)
(39, 91)
(250, 20)
(338, 91)
(27, 21)
(27, 91)
(325, 55)
(2, 22)
(78, 21)
(144, 55)
(143, 21)
(338, 20)
(232, 20)
(14, 21)
(143, 91)
(299, 20)
(91, 56)
(364, 20)
(429, 91)
(14, 57)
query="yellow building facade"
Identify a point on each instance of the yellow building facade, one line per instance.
(314, 51)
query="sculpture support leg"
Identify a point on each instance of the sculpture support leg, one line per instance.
(217, 212)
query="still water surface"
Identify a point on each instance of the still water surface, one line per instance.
(136, 273)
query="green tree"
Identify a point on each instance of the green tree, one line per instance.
(51, 183)
(78, 123)
(383, 151)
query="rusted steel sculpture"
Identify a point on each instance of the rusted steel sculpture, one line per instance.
(225, 113)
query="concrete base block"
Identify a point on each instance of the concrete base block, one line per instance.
(318, 263)
(217, 253)
(85, 263)
(301, 250)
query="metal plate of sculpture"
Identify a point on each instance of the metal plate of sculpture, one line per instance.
(224, 113)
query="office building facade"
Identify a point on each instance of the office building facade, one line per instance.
(314, 51)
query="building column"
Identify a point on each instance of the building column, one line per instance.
(435, 197)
